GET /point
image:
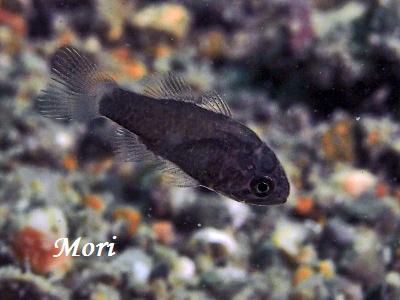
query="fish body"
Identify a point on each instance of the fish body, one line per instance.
(194, 139)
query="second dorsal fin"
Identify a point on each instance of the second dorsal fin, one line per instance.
(171, 86)
(168, 86)
(213, 101)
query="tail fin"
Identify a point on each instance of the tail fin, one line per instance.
(76, 87)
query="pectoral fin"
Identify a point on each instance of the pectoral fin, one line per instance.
(175, 176)
(129, 148)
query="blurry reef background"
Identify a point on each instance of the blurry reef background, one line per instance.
(318, 80)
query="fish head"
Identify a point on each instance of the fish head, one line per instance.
(259, 179)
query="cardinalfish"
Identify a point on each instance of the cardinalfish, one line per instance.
(193, 139)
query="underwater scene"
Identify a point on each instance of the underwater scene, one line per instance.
(199, 149)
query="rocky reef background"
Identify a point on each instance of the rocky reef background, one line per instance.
(318, 80)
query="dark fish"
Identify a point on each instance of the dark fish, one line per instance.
(193, 139)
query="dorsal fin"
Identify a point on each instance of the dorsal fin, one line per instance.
(172, 86)
(129, 148)
(168, 86)
(214, 102)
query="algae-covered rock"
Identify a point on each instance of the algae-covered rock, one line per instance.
(223, 243)
(15, 285)
(167, 17)
(288, 237)
(134, 263)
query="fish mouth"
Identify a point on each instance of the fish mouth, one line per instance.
(282, 194)
(269, 202)
(261, 202)
(277, 201)
(281, 198)
(278, 196)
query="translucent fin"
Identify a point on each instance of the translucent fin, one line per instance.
(175, 176)
(214, 102)
(171, 86)
(129, 148)
(168, 86)
(76, 87)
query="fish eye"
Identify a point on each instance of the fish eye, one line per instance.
(262, 186)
